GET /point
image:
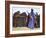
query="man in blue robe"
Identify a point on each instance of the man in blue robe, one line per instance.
(31, 19)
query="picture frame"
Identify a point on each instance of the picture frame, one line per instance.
(22, 5)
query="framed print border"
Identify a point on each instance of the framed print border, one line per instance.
(7, 18)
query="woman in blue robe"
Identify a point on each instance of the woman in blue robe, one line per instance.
(31, 19)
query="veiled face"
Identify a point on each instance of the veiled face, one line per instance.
(31, 10)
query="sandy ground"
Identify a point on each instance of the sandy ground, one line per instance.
(22, 28)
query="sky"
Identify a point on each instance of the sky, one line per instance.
(24, 9)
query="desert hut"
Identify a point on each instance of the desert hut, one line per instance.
(19, 20)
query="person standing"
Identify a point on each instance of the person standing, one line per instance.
(31, 22)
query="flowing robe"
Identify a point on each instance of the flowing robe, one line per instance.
(31, 20)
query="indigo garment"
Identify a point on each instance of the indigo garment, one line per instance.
(31, 20)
